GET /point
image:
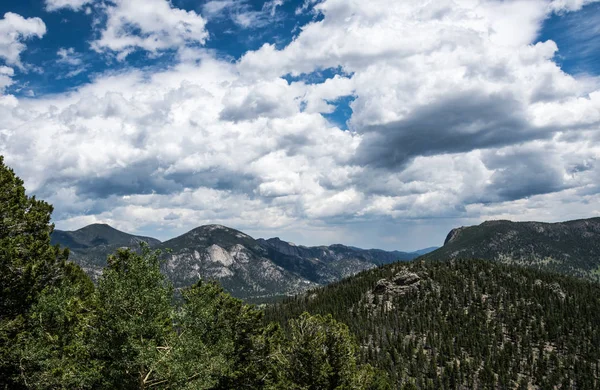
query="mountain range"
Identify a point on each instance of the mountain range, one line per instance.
(571, 247)
(253, 269)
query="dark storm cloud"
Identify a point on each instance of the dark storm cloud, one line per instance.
(523, 173)
(148, 177)
(131, 180)
(216, 178)
(459, 123)
(172, 217)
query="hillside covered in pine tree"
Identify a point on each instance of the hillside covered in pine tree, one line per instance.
(466, 324)
(570, 247)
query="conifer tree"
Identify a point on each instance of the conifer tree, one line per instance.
(28, 265)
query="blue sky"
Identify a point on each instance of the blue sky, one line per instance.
(68, 29)
(319, 121)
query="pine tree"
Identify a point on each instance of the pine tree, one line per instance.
(28, 265)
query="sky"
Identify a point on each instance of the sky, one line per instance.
(379, 124)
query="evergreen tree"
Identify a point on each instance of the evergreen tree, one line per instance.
(28, 265)
(134, 331)
(321, 354)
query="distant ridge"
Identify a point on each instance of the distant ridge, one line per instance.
(571, 247)
(91, 245)
(255, 269)
(95, 235)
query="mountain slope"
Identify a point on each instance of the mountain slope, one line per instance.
(466, 324)
(258, 269)
(571, 247)
(248, 268)
(91, 245)
(240, 263)
(424, 251)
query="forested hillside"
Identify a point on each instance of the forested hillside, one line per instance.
(467, 324)
(571, 247)
(60, 331)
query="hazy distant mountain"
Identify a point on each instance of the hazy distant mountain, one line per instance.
(571, 247)
(246, 267)
(424, 251)
(91, 245)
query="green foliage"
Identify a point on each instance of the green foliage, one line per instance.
(135, 326)
(29, 266)
(28, 263)
(466, 324)
(208, 341)
(54, 349)
(231, 332)
(320, 353)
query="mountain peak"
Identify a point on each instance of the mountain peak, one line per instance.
(98, 226)
(214, 228)
(568, 247)
(97, 234)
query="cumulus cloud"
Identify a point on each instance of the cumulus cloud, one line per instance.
(569, 5)
(455, 118)
(151, 25)
(14, 30)
(75, 5)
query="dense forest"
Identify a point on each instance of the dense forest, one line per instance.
(467, 324)
(130, 331)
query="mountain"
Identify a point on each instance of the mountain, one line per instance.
(466, 324)
(252, 269)
(571, 247)
(91, 245)
(240, 263)
(424, 251)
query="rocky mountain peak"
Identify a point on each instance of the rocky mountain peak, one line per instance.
(570, 247)
(453, 235)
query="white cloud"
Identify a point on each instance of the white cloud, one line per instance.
(454, 116)
(14, 29)
(242, 13)
(151, 25)
(69, 56)
(71, 61)
(6, 75)
(75, 5)
(569, 5)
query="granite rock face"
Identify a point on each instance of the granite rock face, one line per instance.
(400, 284)
(254, 269)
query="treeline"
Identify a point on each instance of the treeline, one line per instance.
(467, 324)
(60, 331)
